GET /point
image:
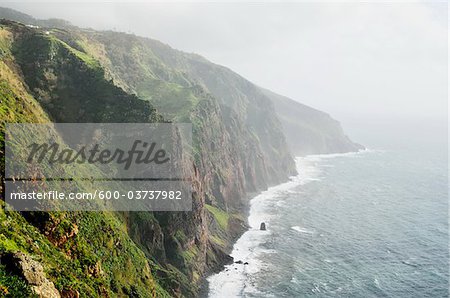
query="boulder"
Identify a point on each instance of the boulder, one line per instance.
(32, 272)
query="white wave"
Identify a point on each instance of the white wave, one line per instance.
(318, 157)
(302, 230)
(237, 280)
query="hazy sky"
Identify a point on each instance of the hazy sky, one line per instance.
(357, 61)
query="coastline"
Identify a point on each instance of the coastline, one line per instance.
(312, 249)
(242, 249)
(234, 278)
(204, 290)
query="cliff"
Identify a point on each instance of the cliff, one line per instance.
(61, 73)
(309, 131)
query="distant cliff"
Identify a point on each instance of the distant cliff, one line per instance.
(310, 131)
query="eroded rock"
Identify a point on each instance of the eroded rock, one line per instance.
(32, 272)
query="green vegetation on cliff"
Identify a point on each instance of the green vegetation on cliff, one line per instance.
(61, 73)
(89, 253)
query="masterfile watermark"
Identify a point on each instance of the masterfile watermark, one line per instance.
(56, 154)
(48, 166)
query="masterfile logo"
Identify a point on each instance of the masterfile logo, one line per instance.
(141, 152)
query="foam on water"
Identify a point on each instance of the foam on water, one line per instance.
(236, 280)
(302, 230)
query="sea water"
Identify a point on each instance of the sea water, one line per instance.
(367, 224)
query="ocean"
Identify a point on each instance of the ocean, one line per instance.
(367, 224)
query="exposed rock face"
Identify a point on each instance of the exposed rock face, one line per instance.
(32, 272)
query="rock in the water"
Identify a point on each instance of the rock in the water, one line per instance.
(32, 272)
(262, 227)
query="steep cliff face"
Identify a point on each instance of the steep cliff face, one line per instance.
(232, 156)
(238, 143)
(70, 86)
(61, 73)
(68, 82)
(81, 253)
(174, 82)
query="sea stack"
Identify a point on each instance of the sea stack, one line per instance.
(262, 227)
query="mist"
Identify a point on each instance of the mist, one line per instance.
(370, 65)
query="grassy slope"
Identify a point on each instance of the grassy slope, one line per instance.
(88, 252)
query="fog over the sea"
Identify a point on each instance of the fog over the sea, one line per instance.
(361, 62)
